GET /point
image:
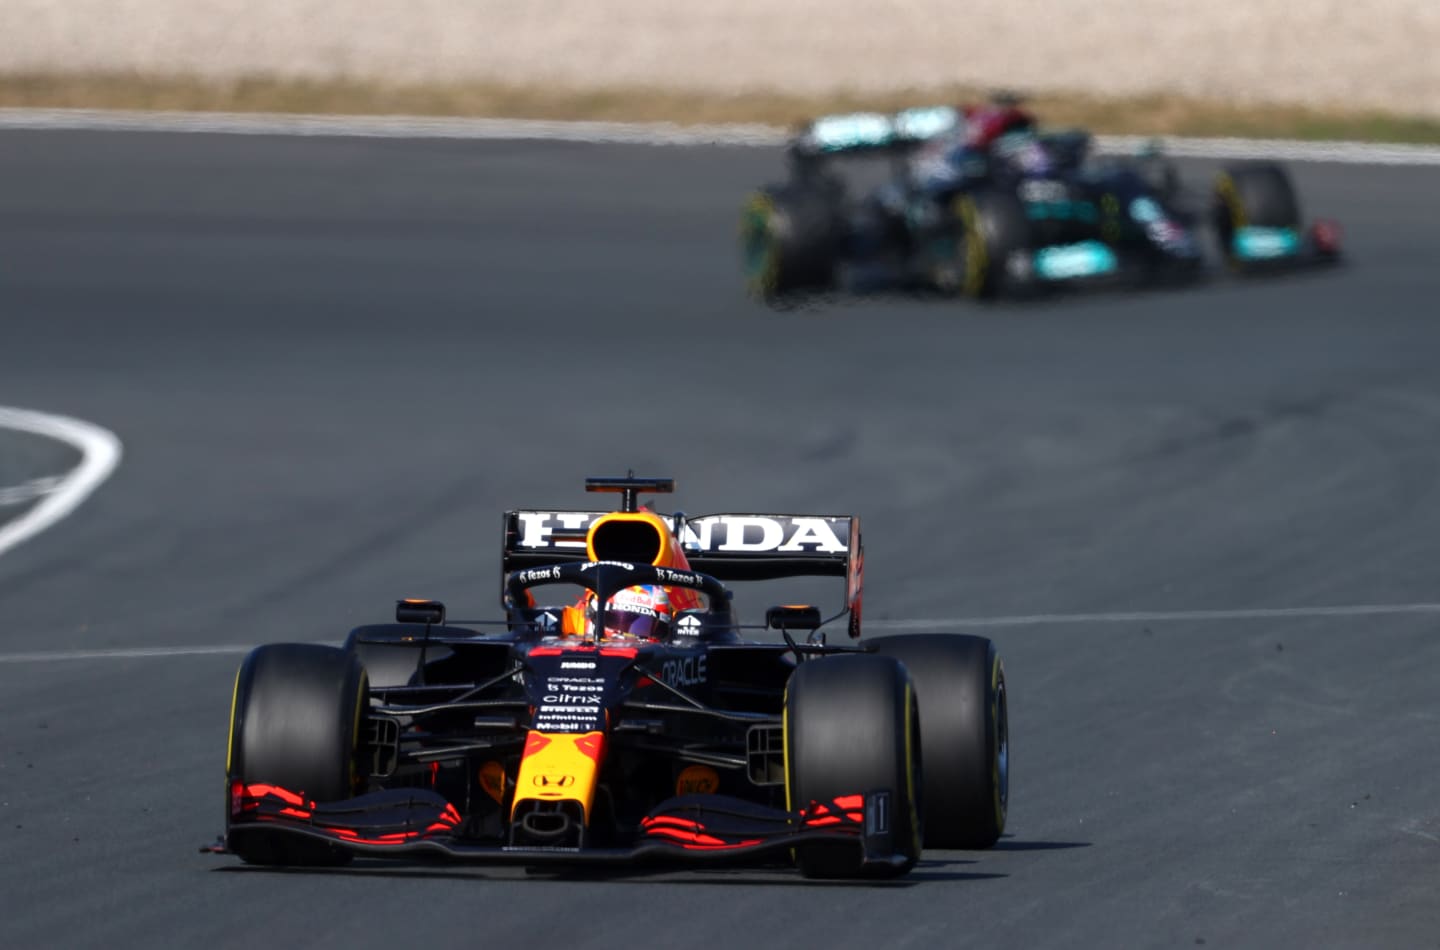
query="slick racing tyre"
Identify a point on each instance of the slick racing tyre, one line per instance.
(960, 683)
(992, 228)
(789, 240)
(1258, 194)
(851, 728)
(295, 723)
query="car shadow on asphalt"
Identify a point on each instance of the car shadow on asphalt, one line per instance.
(936, 866)
(926, 871)
(1008, 843)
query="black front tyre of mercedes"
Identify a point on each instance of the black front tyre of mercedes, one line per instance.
(295, 723)
(852, 728)
(992, 230)
(964, 718)
(789, 240)
(1255, 194)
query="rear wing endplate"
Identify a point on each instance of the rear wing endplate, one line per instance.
(729, 547)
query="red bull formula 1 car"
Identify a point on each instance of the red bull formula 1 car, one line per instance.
(539, 741)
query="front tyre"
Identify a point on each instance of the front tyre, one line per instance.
(993, 228)
(1252, 195)
(295, 722)
(851, 728)
(960, 683)
(790, 239)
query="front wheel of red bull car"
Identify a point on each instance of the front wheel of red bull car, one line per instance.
(853, 750)
(294, 727)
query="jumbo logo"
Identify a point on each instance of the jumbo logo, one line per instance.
(553, 781)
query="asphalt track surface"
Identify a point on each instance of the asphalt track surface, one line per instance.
(333, 362)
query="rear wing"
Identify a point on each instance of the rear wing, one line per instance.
(871, 132)
(729, 547)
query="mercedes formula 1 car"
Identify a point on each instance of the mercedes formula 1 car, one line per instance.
(981, 202)
(533, 741)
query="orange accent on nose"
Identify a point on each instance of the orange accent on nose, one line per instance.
(589, 745)
(535, 742)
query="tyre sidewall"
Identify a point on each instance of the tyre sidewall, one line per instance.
(295, 720)
(964, 718)
(851, 728)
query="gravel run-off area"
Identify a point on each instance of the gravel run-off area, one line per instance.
(1381, 54)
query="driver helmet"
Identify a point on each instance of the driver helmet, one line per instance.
(642, 612)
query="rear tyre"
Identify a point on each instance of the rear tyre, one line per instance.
(992, 228)
(295, 723)
(851, 728)
(960, 683)
(1252, 195)
(789, 240)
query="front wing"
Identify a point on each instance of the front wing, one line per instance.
(419, 824)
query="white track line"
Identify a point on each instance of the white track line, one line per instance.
(130, 653)
(880, 626)
(640, 133)
(1155, 616)
(401, 127)
(100, 452)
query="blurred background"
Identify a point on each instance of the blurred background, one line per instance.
(1311, 68)
(283, 378)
